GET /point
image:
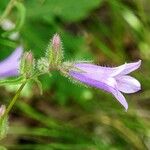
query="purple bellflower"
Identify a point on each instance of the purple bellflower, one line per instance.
(10, 66)
(113, 80)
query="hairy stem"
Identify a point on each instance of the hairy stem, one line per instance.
(14, 99)
(7, 10)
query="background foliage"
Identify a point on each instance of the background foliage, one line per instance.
(73, 117)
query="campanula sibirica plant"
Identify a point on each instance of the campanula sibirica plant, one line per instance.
(114, 80)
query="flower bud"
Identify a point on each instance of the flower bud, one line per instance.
(3, 122)
(2, 110)
(56, 43)
(27, 64)
(29, 58)
(54, 52)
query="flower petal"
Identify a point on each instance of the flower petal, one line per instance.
(109, 71)
(90, 81)
(14, 57)
(128, 84)
(101, 85)
(10, 66)
(129, 67)
(118, 95)
(99, 70)
(94, 73)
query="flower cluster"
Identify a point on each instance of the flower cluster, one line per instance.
(114, 80)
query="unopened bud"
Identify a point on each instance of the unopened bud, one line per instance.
(54, 52)
(29, 57)
(27, 64)
(3, 122)
(56, 42)
(2, 110)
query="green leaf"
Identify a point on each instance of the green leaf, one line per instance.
(15, 81)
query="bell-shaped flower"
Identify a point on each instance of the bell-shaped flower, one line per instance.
(10, 66)
(113, 80)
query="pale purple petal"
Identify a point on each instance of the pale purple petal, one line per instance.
(118, 95)
(109, 71)
(91, 82)
(128, 84)
(101, 85)
(99, 70)
(9, 66)
(129, 67)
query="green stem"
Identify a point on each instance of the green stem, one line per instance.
(14, 100)
(7, 10)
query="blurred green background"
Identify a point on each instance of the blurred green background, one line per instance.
(69, 116)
